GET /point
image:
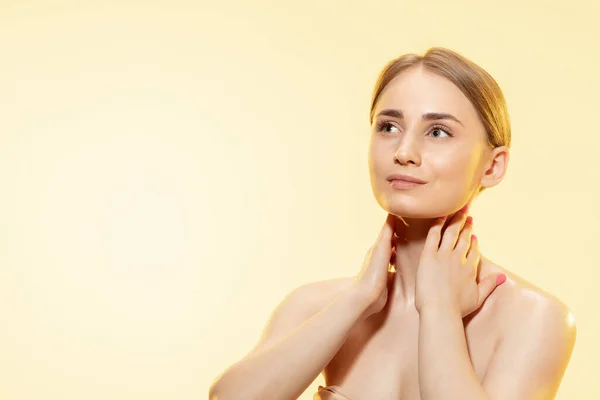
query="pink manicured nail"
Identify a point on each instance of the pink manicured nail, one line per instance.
(473, 237)
(500, 279)
(465, 209)
(469, 220)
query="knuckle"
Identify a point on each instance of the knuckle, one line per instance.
(457, 257)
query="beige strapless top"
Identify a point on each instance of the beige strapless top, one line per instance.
(330, 393)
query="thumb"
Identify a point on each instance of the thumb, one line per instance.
(387, 231)
(487, 285)
(383, 245)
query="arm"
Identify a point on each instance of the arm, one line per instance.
(529, 363)
(446, 291)
(291, 353)
(445, 370)
(536, 346)
(298, 344)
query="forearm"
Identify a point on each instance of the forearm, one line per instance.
(284, 369)
(445, 369)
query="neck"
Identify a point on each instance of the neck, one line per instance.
(411, 235)
(409, 246)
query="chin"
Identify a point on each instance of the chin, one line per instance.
(414, 207)
(413, 214)
(427, 202)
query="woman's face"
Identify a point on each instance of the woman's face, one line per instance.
(425, 127)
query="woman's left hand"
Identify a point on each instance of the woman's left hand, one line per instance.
(447, 271)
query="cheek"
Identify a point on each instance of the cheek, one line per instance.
(377, 159)
(456, 168)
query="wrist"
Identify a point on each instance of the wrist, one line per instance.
(361, 299)
(361, 293)
(436, 309)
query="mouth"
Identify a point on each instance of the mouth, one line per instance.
(404, 181)
(400, 184)
(406, 178)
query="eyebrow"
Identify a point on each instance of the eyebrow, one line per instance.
(431, 116)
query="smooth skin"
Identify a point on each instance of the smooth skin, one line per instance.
(441, 324)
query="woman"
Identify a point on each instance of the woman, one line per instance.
(427, 316)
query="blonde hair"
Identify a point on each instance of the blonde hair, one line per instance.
(476, 84)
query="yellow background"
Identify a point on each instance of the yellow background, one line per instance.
(171, 170)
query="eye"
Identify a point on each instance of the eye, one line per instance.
(438, 130)
(383, 126)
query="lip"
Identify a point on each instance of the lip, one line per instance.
(405, 178)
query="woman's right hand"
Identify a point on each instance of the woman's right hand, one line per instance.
(374, 277)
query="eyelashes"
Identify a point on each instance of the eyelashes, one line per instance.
(381, 125)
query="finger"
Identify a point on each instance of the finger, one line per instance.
(383, 246)
(380, 251)
(381, 238)
(434, 235)
(386, 230)
(487, 285)
(464, 239)
(452, 232)
(473, 252)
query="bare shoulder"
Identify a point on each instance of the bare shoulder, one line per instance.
(528, 311)
(299, 305)
(537, 335)
(311, 297)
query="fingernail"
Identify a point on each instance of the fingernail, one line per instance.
(465, 209)
(500, 279)
(469, 220)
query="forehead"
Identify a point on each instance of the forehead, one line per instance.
(417, 91)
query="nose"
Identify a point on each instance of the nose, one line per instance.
(408, 151)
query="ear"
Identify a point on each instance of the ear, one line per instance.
(495, 166)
